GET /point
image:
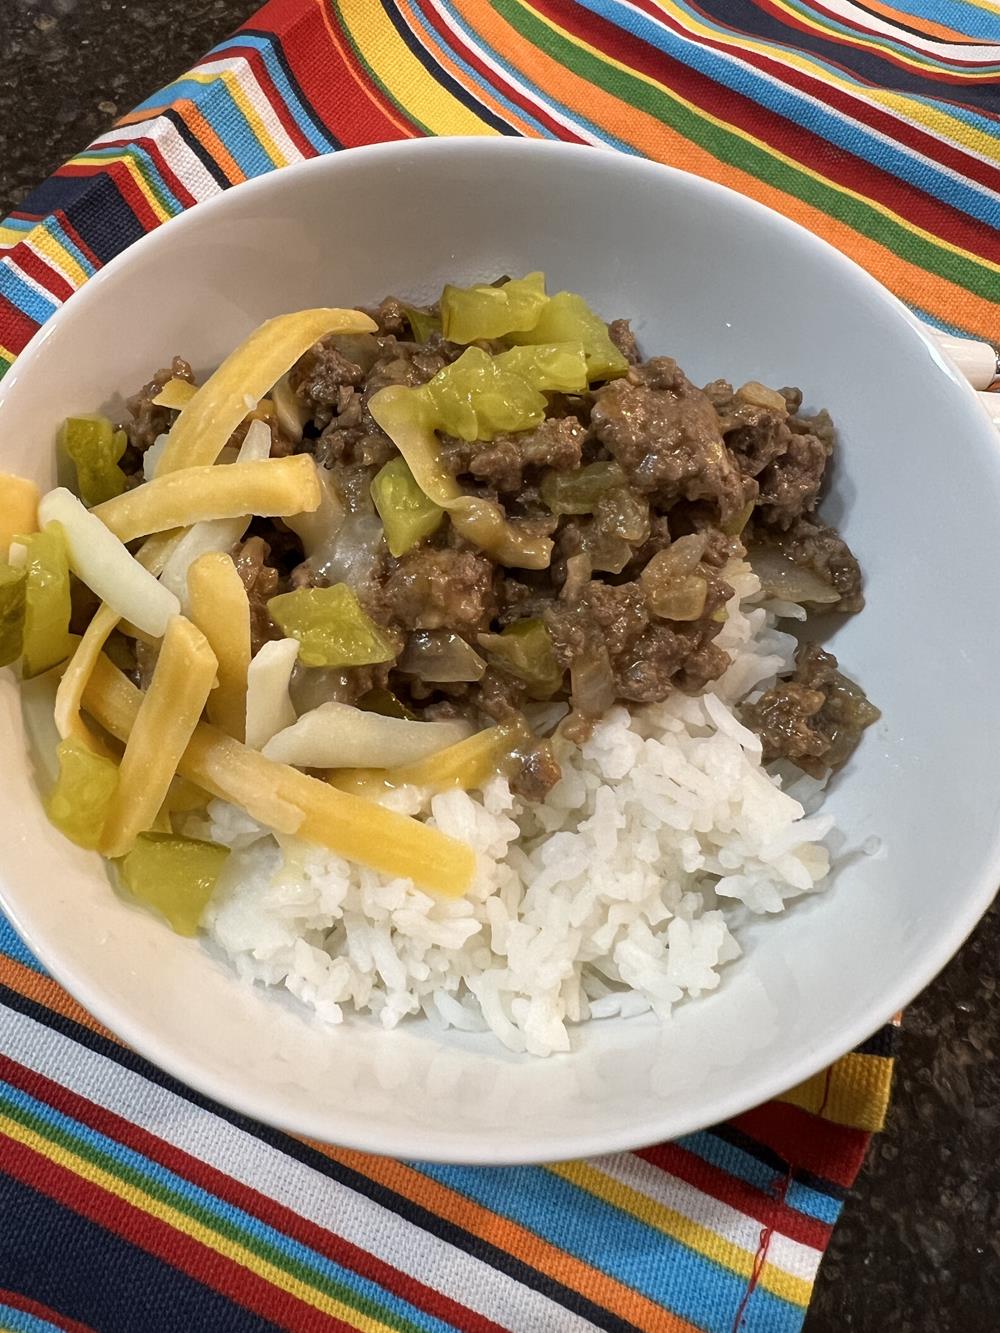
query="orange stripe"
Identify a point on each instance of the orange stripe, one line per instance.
(480, 92)
(915, 21)
(43, 990)
(514, 1239)
(208, 138)
(654, 139)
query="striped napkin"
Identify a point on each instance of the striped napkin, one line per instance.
(139, 1204)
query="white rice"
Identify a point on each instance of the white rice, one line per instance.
(620, 893)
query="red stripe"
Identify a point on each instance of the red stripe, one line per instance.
(344, 99)
(840, 99)
(156, 1237)
(324, 1242)
(832, 1151)
(37, 268)
(15, 1301)
(16, 329)
(452, 39)
(255, 59)
(152, 150)
(767, 1210)
(76, 238)
(124, 183)
(795, 141)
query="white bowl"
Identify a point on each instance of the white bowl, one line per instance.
(731, 289)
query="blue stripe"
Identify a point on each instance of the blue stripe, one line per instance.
(21, 224)
(17, 1321)
(55, 229)
(304, 119)
(23, 295)
(853, 137)
(213, 1206)
(614, 1242)
(734, 1162)
(14, 947)
(546, 99)
(235, 133)
(981, 24)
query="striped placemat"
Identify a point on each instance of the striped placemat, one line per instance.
(138, 1204)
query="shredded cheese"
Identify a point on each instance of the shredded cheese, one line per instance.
(221, 610)
(18, 509)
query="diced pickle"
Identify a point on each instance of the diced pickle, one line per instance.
(331, 627)
(95, 448)
(386, 704)
(469, 314)
(524, 650)
(175, 876)
(475, 398)
(682, 599)
(407, 515)
(579, 492)
(13, 585)
(556, 367)
(47, 600)
(568, 318)
(422, 322)
(78, 804)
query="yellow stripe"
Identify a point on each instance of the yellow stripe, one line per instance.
(11, 236)
(253, 118)
(706, 1242)
(405, 78)
(765, 147)
(854, 1092)
(277, 1277)
(133, 169)
(68, 265)
(909, 109)
(5, 354)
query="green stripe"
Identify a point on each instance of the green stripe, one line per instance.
(5, 365)
(727, 146)
(404, 111)
(162, 1194)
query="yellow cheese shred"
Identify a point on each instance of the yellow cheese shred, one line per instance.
(207, 421)
(220, 608)
(270, 487)
(164, 722)
(351, 826)
(18, 510)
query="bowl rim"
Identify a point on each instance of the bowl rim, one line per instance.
(477, 1149)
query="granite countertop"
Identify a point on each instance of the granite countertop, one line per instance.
(918, 1246)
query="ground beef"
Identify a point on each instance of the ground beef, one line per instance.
(502, 462)
(145, 420)
(815, 718)
(439, 588)
(620, 333)
(322, 372)
(823, 551)
(261, 581)
(666, 435)
(790, 486)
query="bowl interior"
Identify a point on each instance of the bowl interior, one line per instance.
(731, 290)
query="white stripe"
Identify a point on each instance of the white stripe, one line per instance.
(982, 55)
(791, 1256)
(531, 94)
(11, 263)
(186, 165)
(808, 99)
(50, 263)
(249, 84)
(314, 1196)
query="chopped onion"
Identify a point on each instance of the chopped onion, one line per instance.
(152, 456)
(759, 395)
(441, 656)
(312, 686)
(782, 578)
(318, 530)
(337, 735)
(269, 705)
(352, 555)
(289, 409)
(592, 681)
(100, 560)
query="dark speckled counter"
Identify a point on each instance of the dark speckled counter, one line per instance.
(918, 1248)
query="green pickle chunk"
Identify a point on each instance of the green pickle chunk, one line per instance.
(525, 650)
(568, 318)
(78, 803)
(557, 367)
(422, 322)
(476, 398)
(95, 448)
(407, 515)
(580, 492)
(484, 311)
(331, 627)
(175, 876)
(13, 599)
(47, 639)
